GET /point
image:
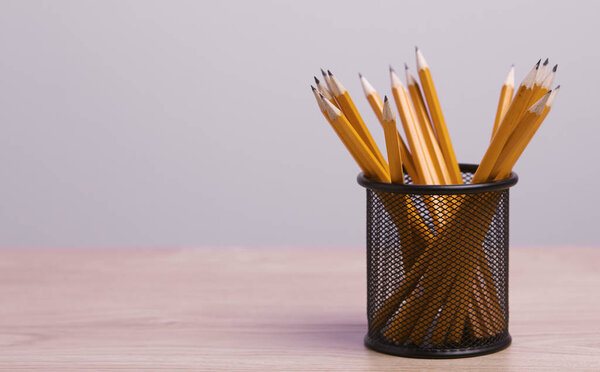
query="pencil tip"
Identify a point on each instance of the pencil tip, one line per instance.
(329, 73)
(323, 72)
(313, 88)
(546, 62)
(405, 66)
(416, 48)
(316, 80)
(321, 95)
(555, 68)
(557, 87)
(392, 69)
(359, 75)
(385, 99)
(537, 65)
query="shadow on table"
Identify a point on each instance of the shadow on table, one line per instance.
(330, 335)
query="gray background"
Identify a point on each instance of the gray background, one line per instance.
(180, 123)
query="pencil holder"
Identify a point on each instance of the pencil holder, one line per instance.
(437, 267)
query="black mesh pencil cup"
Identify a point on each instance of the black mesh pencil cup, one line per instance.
(437, 267)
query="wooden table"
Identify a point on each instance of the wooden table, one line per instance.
(281, 309)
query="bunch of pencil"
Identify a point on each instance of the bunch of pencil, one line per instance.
(428, 158)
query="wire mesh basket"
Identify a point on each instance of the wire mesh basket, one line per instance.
(437, 267)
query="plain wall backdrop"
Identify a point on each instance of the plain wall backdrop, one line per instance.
(191, 123)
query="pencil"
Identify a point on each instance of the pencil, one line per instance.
(377, 106)
(350, 111)
(431, 141)
(517, 106)
(355, 146)
(392, 144)
(523, 135)
(437, 117)
(361, 161)
(421, 158)
(506, 94)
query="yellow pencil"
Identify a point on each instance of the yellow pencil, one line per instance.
(350, 111)
(433, 146)
(506, 95)
(355, 145)
(377, 106)
(517, 106)
(392, 144)
(437, 118)
(413, 133)
(359, 158)
(522, 136)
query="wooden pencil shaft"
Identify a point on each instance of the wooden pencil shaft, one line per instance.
(438, 120)
(357, 149)
(347, 106)
(410, 129)
(392, 145)
(377, 106)
(506, 95)
(518, 105)
(357, 146)
(431, 141)
(517, 143)
(428, 161)
(360, 160)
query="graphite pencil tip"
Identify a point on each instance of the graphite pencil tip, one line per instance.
(392, 69)
(385, 99)
(323, 72)
(537, 65)
(359, 75)
(405, 66)
(554, 68)
(316, 80)
(416, 48)
(557, 87)
(329, 73)
(313, 88)
(546, 62)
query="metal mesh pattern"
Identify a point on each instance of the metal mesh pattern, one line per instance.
(437, 272)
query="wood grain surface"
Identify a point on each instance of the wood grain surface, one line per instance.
(255, 309)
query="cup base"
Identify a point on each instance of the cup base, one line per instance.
(415, 352)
